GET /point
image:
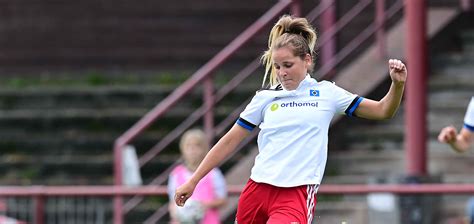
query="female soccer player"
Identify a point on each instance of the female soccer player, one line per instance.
(293, 116)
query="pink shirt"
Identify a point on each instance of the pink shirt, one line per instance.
(211, 187)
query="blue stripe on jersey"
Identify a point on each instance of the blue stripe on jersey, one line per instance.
(245, 124)
(355, 103)
(471, 128)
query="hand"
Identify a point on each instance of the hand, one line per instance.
(183, 193)
(448, 135)
(398, 71)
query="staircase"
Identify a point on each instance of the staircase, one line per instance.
(56, 136)
(374, 149)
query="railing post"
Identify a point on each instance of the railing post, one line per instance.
(208, 93)
(39, 209)
(118, 209)
(328, 20)
(379, 21)
(118, 175)
(295, 8)
(415, 97)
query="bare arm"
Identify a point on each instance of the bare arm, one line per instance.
(224, 147)
(388, 105)
(458, 142)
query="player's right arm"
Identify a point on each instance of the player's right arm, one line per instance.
(458, 142)
(388, 105)
(224, 147)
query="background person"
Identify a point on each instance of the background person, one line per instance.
(461, 142)
(210, 193)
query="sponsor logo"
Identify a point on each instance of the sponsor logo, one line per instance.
(297, 104)
(274, 107)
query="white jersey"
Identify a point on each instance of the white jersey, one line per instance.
(294, 127)
(469, 118)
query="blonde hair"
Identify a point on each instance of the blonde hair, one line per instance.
(194, 133)
(295, 33)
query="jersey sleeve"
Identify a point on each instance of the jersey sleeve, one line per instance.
(220, 186)
(469, 117)
(252, 114)
(345, 102)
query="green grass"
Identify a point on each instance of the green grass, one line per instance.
(29, 173)
(93, 78)
(102, 78)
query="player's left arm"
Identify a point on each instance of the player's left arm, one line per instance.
(387, 107)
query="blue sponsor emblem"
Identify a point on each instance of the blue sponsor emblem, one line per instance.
(313, 92)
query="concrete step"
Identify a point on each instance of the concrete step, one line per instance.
(460, 79)
(394, 130)
(70, 169)
(67, 119)
(467, 35)
(341, 212)
(366, 163)
(103, 97)
(38, 167)
(94, 120)
(83, 97)
(68, 143)
(468, 46)
(66, 154)
(467, 38)
(104, 56)
(439, 99)
(450, 77)
(452, 59)
(356, 209)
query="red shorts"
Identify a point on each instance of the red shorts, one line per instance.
(262, 203)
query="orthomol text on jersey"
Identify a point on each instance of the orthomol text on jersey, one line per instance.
(275, 106)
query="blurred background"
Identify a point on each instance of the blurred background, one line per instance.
(80, 80)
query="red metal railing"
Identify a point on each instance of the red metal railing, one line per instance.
(39, 193)
(110, 191)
